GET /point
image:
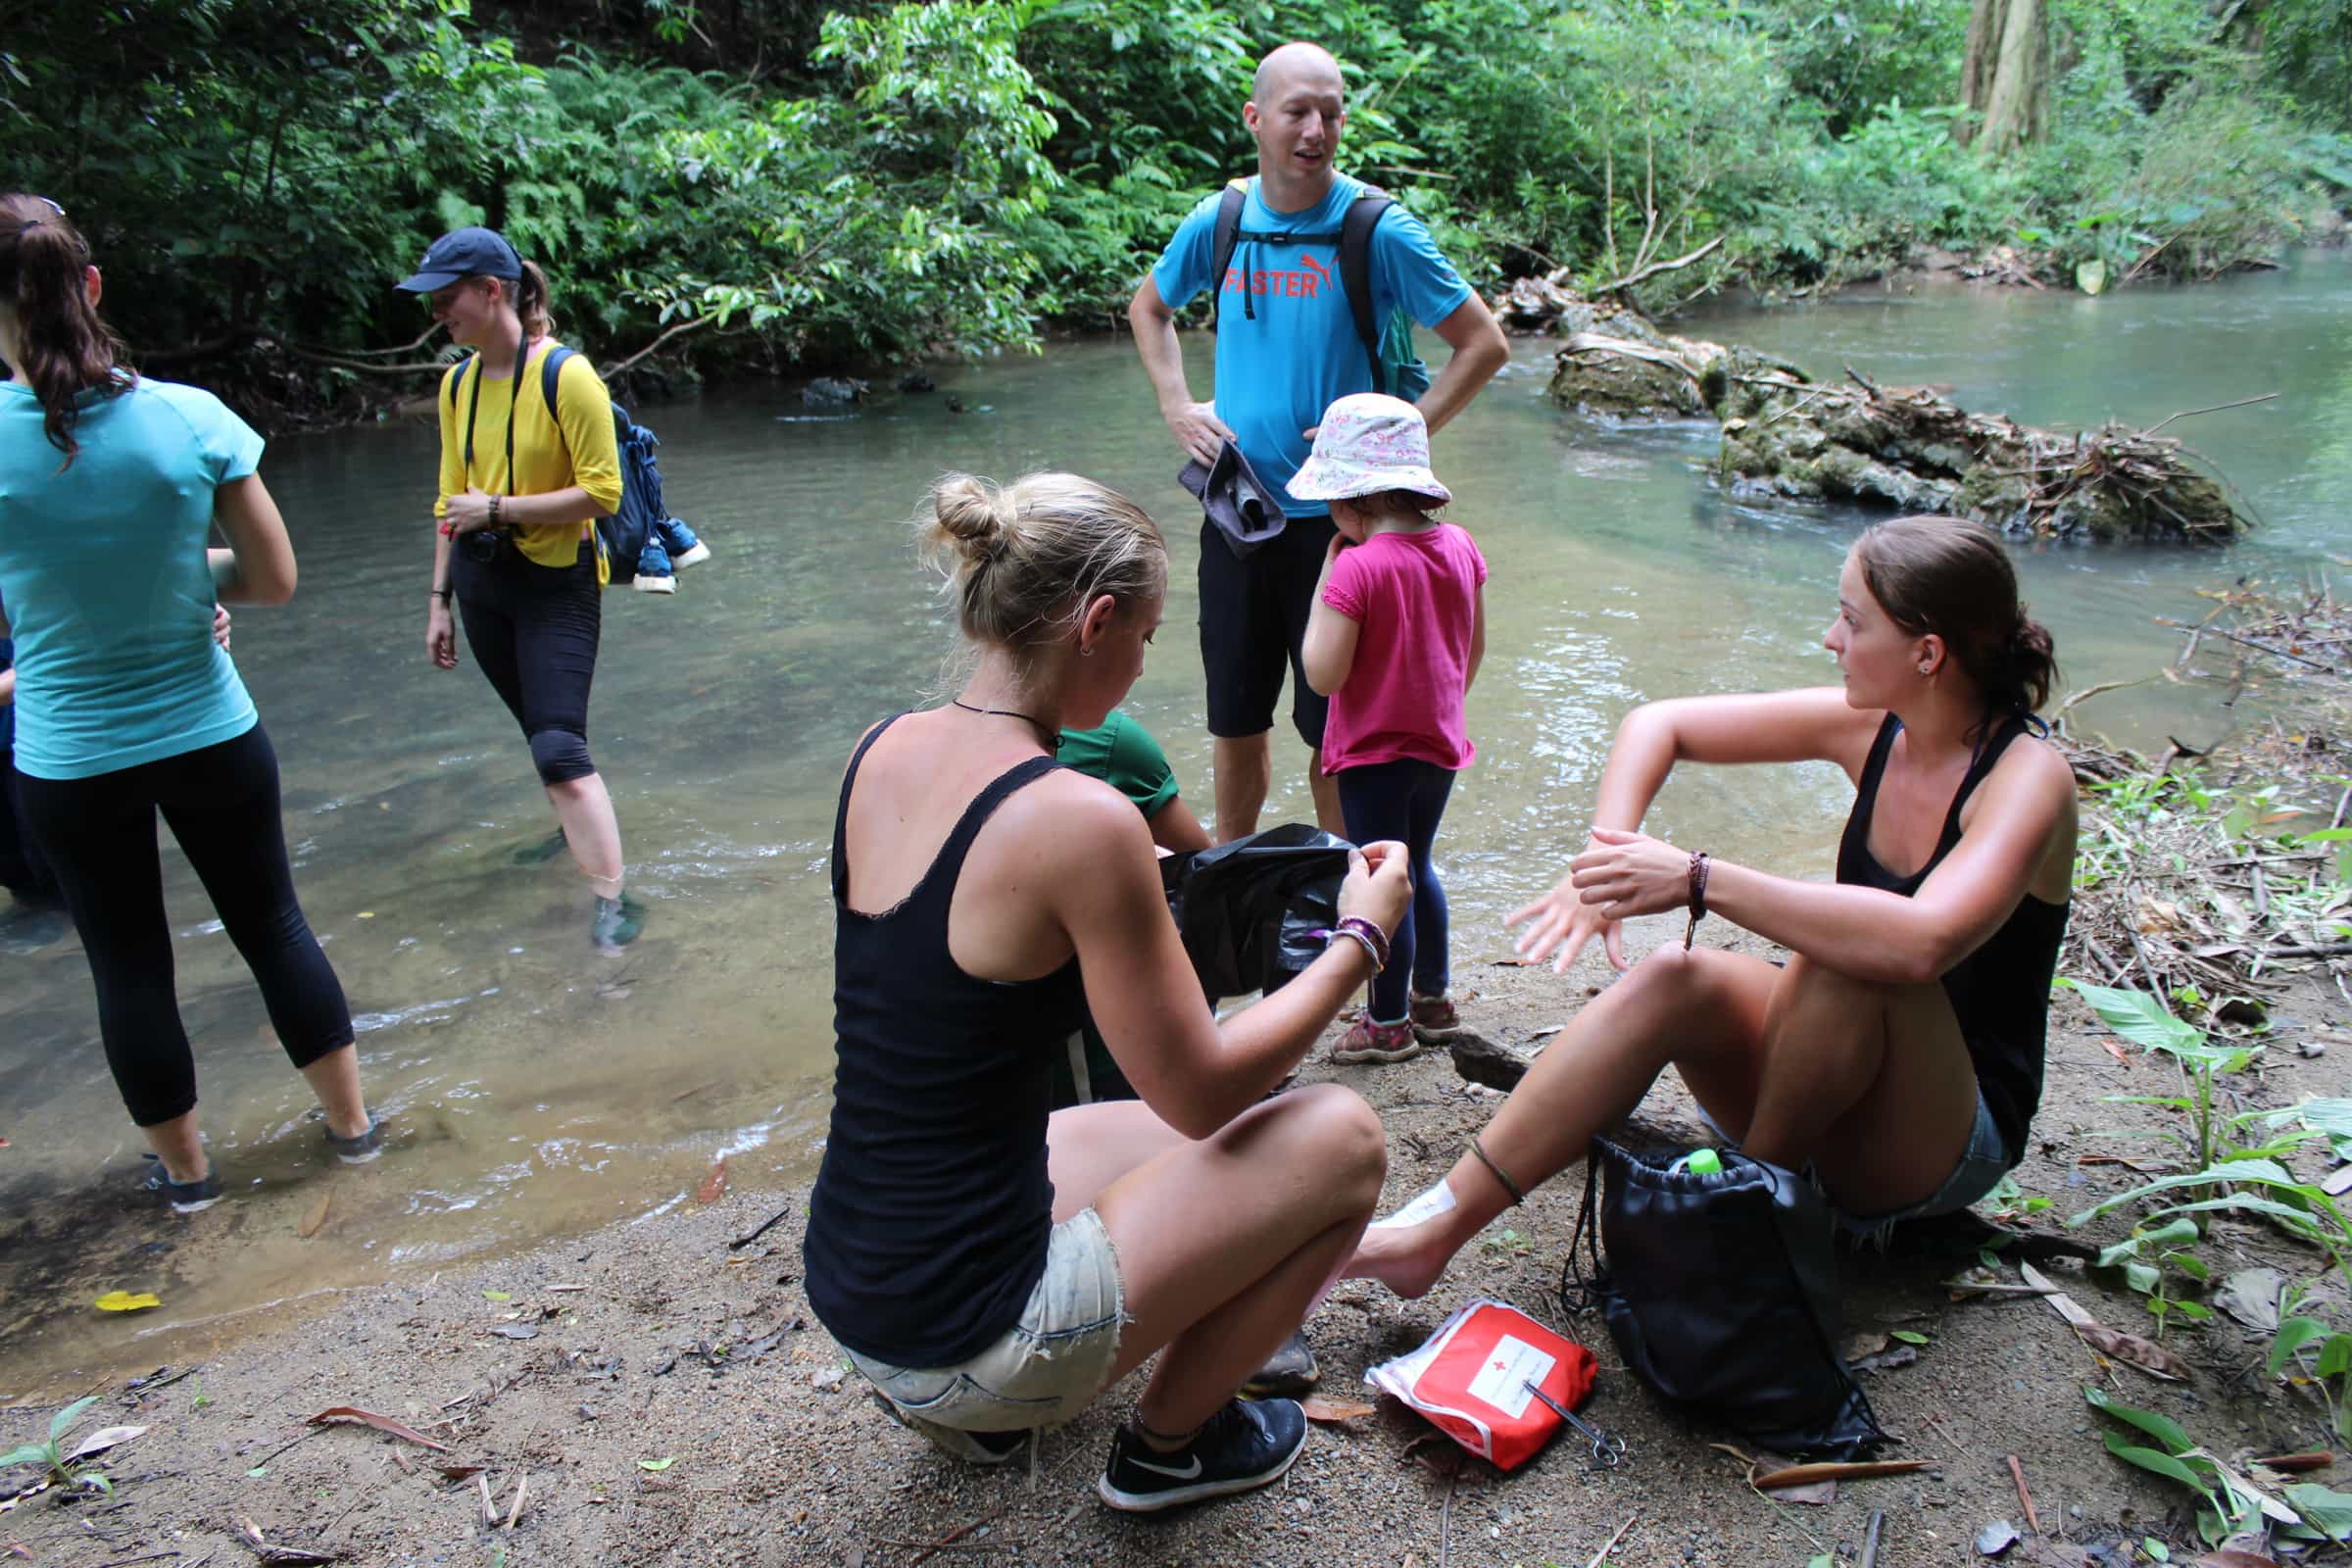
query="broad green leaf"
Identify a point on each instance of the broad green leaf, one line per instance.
(662, 1463)
(28, 1453)
(2141, 1019)
(2268, 1171)
(1908, 1336)
(2141, 1277)
(2325, 1510)
(2162, 1427)
(67, 1417)
(2335, 1356)
(2293, 1333)
(498, 1296)
(2163, 1465)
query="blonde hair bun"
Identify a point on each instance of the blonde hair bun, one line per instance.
(1023, 559)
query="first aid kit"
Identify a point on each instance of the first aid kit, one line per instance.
(1493, 1379)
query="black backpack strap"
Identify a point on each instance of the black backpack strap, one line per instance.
(1228, 230)
(1355, 268)
(459, 380)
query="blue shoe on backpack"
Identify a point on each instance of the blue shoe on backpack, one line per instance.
(655, 573)
(684, 547)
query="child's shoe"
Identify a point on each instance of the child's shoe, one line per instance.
(654, 571)
(1366, 1041)
(1432, 1016)
(685, 549)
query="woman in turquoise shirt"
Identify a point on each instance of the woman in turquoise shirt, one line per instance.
(110, 488)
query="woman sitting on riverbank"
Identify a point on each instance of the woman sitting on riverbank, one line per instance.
(521, 483)
(1900, 1050)
(110, 486)
(992, 1268)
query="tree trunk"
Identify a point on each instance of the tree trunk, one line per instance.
(2005, 75)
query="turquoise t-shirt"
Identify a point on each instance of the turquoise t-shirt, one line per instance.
(102, 571)
(1294, 352)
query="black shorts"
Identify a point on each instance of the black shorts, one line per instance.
(1253, 621)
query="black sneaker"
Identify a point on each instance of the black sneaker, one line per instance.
(360, 1147)
(1246, 1444)
(1289, 1371)
(185, 1198)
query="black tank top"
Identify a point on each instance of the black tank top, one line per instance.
(2001, 992)
(928, 1226)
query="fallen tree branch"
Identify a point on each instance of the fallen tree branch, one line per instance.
(682, 328)
(2216, 409)
(1639, 274)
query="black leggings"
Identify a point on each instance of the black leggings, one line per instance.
(221, 803)
(533, 629)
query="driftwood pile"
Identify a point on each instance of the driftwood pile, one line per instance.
(1907, 449)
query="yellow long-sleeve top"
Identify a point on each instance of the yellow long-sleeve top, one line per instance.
(554, 450)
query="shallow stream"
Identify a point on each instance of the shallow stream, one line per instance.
(537, 1090)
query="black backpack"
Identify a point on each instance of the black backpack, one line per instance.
(619, 538)
(1396, 368)
(1721, 1290)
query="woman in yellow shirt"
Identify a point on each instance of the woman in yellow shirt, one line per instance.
(521, 484)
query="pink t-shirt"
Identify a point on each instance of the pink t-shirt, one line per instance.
(1414, 595)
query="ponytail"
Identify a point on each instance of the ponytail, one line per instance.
(2031, 667)
(65, 349)
(531, 303)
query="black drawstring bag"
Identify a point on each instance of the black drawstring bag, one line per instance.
(1256, 911)
(1720, 1290)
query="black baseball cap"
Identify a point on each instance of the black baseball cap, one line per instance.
(465, 253)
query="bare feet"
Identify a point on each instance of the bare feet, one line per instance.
(1406, 1258)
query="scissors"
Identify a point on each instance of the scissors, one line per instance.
(1608, 1451)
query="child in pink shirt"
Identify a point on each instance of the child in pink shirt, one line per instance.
(1395, 639)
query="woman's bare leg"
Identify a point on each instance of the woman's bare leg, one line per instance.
(1705, 1008)
(1872, 1082)
(584, 807)
(335, 1079)
(1223, 1244)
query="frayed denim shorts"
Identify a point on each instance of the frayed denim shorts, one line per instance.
(1044, 1369)
(1983, 1164)
(1980, 1168)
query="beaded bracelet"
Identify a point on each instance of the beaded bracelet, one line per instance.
(1373, 937)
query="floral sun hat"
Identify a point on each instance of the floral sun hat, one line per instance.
(1368, 443)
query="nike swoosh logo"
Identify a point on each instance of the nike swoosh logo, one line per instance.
(1191, 1473)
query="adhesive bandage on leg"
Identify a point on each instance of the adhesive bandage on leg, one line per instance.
(1439, 1200)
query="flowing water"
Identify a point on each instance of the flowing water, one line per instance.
(536, 1089)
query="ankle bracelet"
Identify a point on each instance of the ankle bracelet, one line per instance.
(1174, 1440)
(1509, 1186)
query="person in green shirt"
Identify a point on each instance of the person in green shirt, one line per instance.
(1124, 755)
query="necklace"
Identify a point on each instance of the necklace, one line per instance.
(1050, 737)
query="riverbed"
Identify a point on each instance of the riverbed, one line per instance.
(538, 1091)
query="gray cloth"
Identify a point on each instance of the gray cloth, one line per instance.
(1235, 500)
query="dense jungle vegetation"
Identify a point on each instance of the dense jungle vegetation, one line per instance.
(748, 184)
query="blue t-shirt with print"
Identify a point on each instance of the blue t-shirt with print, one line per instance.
(102, 568)
(1290, 350)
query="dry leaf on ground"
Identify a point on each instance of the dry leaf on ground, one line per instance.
(715, 1184)
(381, 1423)
(2132, 1350)
(315, 1219)
(1322, 1407)
(102, 1440)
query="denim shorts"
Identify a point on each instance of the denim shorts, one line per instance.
(1982, 1165)
(1044, 1369)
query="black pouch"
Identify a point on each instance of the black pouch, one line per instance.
(1255, 911)
(1721, 1291)
(487, 547)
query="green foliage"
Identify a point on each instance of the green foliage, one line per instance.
(870, 178)
(50, 1455)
